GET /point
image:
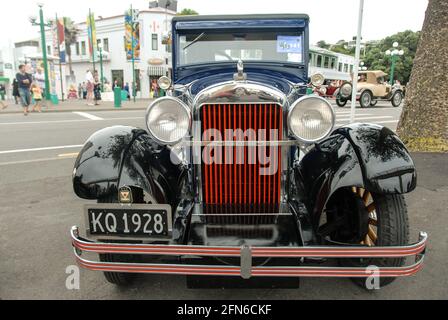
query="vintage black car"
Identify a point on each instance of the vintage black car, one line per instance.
(242, 178)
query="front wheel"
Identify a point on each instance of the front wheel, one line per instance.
(370, 220)
(373, 103)
(397, 98)
(341, 102)
(366, 99)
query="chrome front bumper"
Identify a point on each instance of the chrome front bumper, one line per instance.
(246, 270)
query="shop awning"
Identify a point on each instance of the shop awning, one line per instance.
(157, 71)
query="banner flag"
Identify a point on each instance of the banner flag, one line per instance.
(91, 29)
(132, 32)
(59, 40)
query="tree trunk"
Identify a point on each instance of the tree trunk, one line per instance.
(424, 122)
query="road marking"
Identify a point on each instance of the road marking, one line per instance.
(68, 155)
(30, 161)
(390, 121)
(41, 149)
(65, 121)
(87, 115)
(363, 118)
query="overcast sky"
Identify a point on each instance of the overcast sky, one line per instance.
(331, 20)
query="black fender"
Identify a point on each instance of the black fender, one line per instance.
(360, 155)
(126, 156)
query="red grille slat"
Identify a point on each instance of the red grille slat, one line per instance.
(207, 182)
(241, 186)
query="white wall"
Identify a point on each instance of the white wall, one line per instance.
(113, 30)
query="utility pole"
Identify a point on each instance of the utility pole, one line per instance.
(42, 26)
(357, 56)
(100, 47)
(59, 52)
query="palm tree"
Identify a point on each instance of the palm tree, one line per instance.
(71, 37)
(424, 122)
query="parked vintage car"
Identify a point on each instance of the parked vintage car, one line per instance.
(372, 87)
(240, 178)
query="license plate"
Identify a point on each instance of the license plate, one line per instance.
(115, 220)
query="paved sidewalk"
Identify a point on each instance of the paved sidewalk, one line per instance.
(80, 105)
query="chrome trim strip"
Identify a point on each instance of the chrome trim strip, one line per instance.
(239, 92)
(281, 252)
(283, 143)
(178, 269)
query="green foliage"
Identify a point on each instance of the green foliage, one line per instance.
(187, 12)
(374, 55)
(71, 34)
(376, 59)
(322, 44)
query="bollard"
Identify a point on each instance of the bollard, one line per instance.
(117, 97)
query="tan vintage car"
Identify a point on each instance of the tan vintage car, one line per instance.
(372, 87)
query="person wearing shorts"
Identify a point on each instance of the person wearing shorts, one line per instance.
(24, 79)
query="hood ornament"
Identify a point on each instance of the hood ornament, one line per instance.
(240, 75)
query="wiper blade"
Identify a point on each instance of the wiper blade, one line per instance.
(194, 41)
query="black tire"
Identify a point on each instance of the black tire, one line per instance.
(341, 102)
(117, 278)
(365, 99)
(392, 230)
(397, 99)
(373, 103)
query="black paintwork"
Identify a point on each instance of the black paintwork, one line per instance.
(360, 155)
(126, 156)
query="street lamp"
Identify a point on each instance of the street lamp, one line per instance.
(362, 67)
(42, 26)
(100, 47)
(394, 53)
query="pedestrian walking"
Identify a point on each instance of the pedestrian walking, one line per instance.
(127, 89)
(36, 92)
(15, 90)
(84, 91)
(80, 91)
(90, 86)
(97, 90)
(155, 89)
(24, 79)
(2, 96)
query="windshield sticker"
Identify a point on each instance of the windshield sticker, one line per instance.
(289, 44)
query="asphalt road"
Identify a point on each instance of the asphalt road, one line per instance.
(38, 207)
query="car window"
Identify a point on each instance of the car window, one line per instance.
(202, 47)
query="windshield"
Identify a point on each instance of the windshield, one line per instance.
(203, 47)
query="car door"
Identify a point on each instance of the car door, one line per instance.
(381, 89)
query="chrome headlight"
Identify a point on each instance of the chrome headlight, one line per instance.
(168, 120)
(311, 119)
(346, 90)
(317, 79)
(164, 82)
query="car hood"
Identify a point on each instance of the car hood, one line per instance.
(275, 76)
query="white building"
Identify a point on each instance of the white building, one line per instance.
(333, 65)
(155, 57)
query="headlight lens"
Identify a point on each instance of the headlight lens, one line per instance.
(317, 79)
(311, 119)
(164, 82)
(168, 120)
(346, 90)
